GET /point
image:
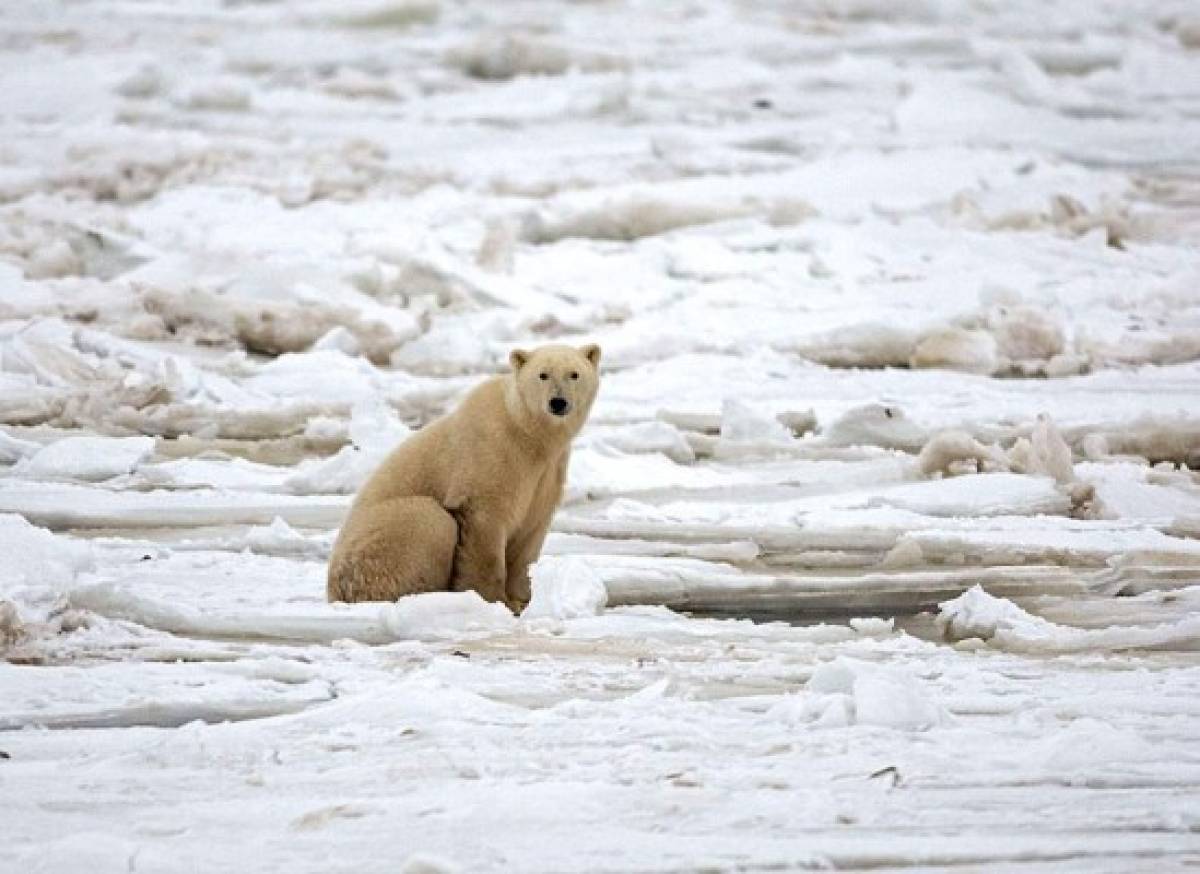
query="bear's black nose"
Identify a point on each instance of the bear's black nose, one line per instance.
(558, 406)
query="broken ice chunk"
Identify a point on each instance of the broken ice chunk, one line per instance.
(742, 423)
(565, 588)
(88, 458)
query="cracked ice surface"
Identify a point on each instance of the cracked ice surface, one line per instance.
(880, 550)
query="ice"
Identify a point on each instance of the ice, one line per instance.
(564, 588)
(11, 628)
(636, 214)
(643, 437)
(374, 430)
(324, 374)
(1007, 337)
(1090, 743)
(91, 459)
(383, 14)
(865, 694)
(899, 309)
(975, 613)
(1154, 439)
(431, 616)
(1043, 453)
(218, 471)
(952, 453)
(996, 494)
(33, 557)
(741, 423)
(1026, 334)
(1004, 625)
(69, 505)
(957, 349)
(875, 425)
(1134, 491)
(13, 449)
(504, 55)
(36, 569)
(866, 344)
(280, 538)
(604, 470)
(873, 626)
(95, 850)
(434, 615)
(424, 863)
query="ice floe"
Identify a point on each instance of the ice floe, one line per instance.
(564, 588)
(898, 307)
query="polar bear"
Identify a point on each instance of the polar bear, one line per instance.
(466, 501)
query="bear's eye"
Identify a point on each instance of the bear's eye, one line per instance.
(543, 376)
(574, 375)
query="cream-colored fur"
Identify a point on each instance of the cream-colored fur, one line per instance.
(466, 501)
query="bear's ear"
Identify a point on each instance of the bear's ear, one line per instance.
(518, 358)
(592, 353)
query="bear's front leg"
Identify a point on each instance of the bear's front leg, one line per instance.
(524, 549)
(521, 555)
(479, 558)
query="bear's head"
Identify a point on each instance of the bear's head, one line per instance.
(556, 384)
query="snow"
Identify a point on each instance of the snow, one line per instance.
(976, 614)
(846, 691)
(33, 556)
(881, 547)
(91, 459)
(1043, 453)
(374, 430)
(741, 423)
(445, 614)
(564, 588)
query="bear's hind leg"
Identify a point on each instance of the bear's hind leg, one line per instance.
(398, 547)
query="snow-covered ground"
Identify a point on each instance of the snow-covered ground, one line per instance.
(882, 547)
